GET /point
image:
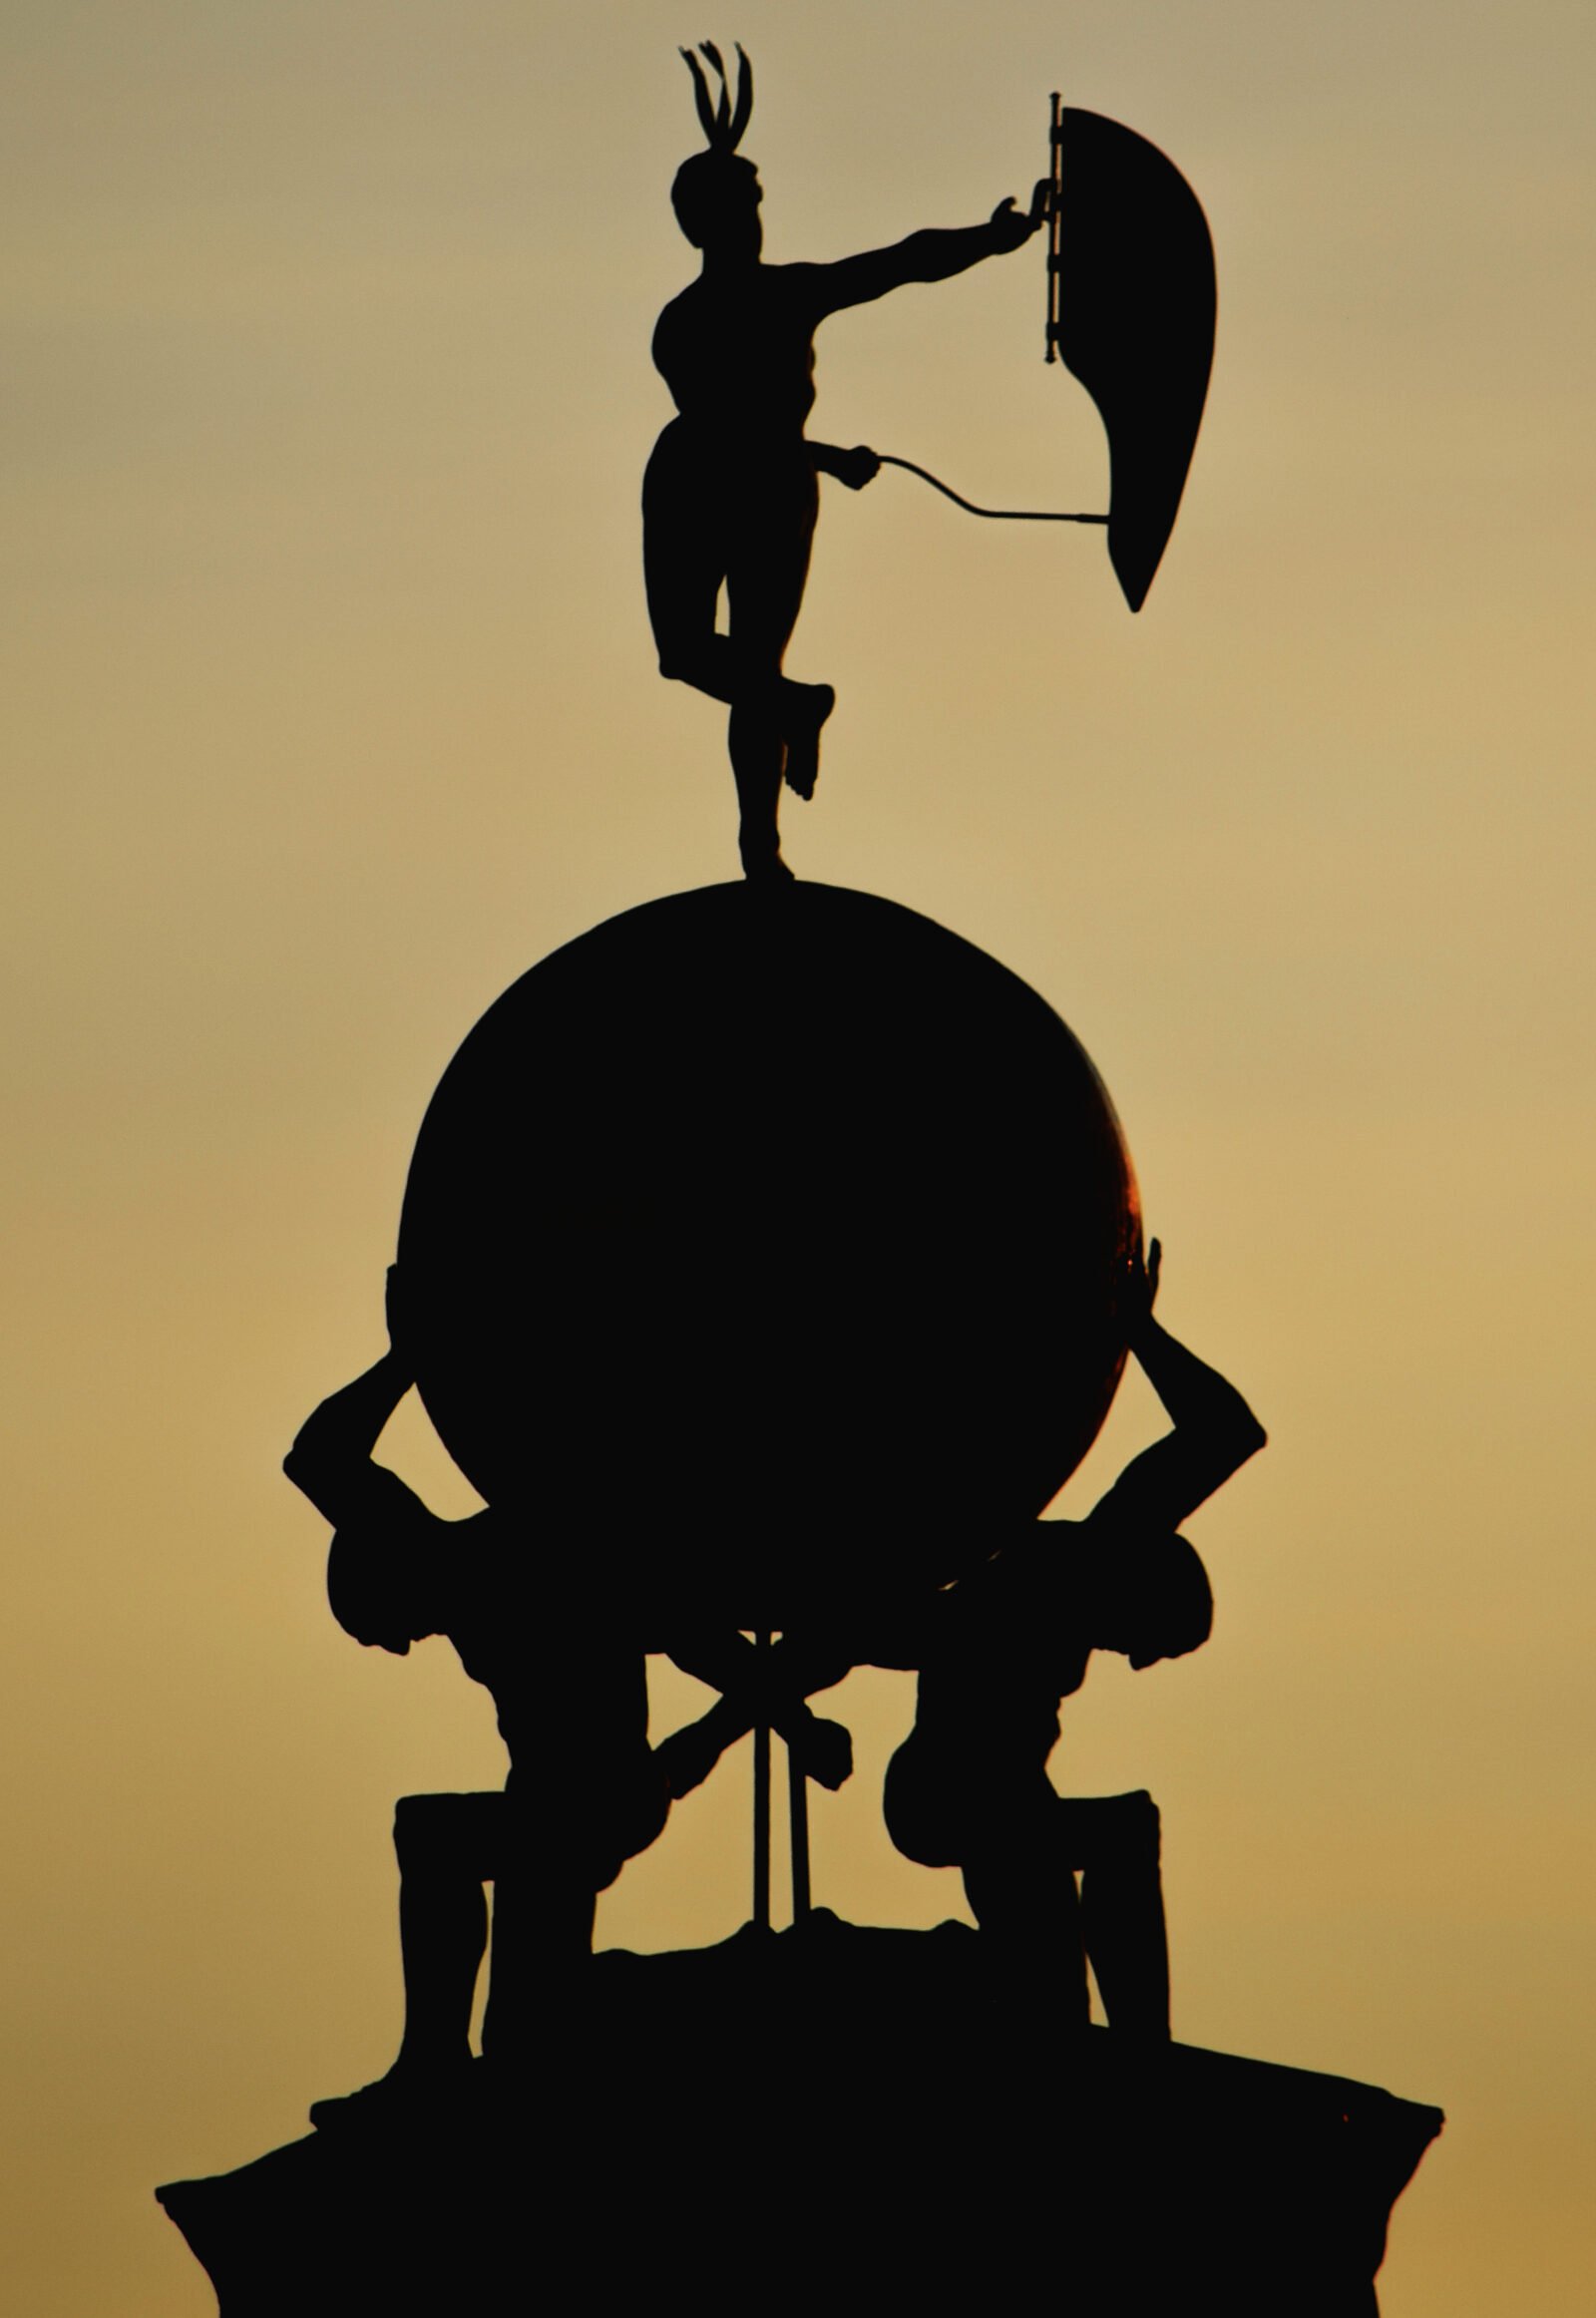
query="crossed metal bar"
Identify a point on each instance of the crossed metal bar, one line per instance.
(798, 1821)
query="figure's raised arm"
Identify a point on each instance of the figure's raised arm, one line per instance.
(935, 254)
(383, 1530)
(331, 1460)
(1215, 1432)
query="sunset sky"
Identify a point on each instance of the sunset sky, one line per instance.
(332, 707)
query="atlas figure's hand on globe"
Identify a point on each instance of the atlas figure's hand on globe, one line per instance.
(1141, 1290)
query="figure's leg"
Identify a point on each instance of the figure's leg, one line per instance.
(542, 1932)
(755, 540)
(775, 724)
(758, 753)
(805, 708)
(1001, 1832)
(1021, 1892)
(1114, 1839)
(444, 1845)
(683, 567)
(684, 564)
(594, 1798)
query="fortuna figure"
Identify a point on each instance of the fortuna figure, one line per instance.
(730, 494)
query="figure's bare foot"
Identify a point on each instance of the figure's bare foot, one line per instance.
(805, 708)
(410, 2088)
(766, 868)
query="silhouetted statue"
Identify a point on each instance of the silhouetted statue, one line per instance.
(584, 1791)
(680, 1439)
(768, 1270)
(564, 1664)
(850, 1446)
(730, 494)
(1001, 1648)
(997, 1651)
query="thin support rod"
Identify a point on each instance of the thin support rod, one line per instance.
(1056, 235)
(798, 1823)
(762, 1813)
(1006, 514)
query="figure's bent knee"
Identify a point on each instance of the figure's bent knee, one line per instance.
(1139, 1830)
(1121, 1829)
(419, 1822)
(921, 1813)
(447, 1830)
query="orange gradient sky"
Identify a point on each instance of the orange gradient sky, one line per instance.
(332, 707)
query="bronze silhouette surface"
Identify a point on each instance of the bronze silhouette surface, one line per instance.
(586, 1299)
(769, 1259)
(731, 493)
(1000, 1650)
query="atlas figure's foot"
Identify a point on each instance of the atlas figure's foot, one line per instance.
(410, 2089)
(806, 708)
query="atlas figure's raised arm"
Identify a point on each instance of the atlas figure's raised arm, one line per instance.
(383, 1530)
(935, 254)
(1215, 1432)
(331, 1460)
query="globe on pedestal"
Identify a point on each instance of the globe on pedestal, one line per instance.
(768, 1250)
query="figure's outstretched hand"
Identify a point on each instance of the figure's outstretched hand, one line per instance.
(1012, 227)
(856, 466)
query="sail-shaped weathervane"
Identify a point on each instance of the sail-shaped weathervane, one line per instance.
(1132, 302)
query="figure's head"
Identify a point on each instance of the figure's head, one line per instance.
(1156, 1602)
(378, 1586)
(716, 194)
(717, 199)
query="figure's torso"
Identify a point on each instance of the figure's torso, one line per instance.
(1013, 1643)
(737, 352)
(559, 1671)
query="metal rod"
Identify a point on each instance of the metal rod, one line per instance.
(798, 1824)
(762, 1812)
(1006, 514)
(1054, 225)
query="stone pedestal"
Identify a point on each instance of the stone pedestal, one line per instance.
(833, 2119)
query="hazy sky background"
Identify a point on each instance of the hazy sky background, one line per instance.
(332, 707)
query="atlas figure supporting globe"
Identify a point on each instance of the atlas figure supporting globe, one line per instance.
(768, 1263)
(740, 1338)
(730, 494)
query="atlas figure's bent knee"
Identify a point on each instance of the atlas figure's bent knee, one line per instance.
(461, 1834)
(419, 1825)
(1115, 1830)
